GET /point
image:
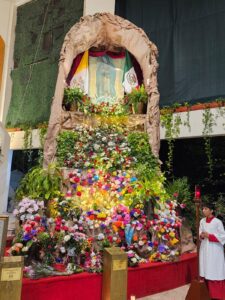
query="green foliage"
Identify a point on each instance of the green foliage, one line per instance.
(171, 124)
(141, 149)
(73, 96)
(65, 145)
(137, 95)
(180, 190)
(208, 122)
(40, 183)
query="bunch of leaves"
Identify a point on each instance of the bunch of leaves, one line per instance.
(65, 145)
(137, 95)
(48, 244)
(40, 183)
(73, 95)
(180, 190)
(141, 149)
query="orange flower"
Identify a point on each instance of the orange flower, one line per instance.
(135, 238)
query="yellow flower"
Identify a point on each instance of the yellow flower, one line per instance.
(172, 234)
(174, 241)
(163, 257)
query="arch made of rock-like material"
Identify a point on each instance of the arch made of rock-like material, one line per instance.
(110, 31)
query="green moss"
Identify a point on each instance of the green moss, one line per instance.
(62, 15)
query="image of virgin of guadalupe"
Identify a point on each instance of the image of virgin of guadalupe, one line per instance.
(105, 77)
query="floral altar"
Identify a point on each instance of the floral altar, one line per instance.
(111, 193)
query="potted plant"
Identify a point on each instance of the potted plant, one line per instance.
(72, 98)
(137, 98)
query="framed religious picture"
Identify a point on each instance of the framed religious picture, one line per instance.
(2, 52)
(3, 233)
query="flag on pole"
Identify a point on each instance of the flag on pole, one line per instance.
(80, 77)
(130, 80)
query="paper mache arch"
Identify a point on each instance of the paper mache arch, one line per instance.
(109, 31)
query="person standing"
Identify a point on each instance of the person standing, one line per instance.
(211, 255)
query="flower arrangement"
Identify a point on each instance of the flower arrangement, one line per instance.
(137, 96)
(77, 241)
(28, 209)
(73, 97)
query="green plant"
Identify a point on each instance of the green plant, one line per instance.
(180, 190)
(141, 149)
(137, 95)
(208, 122)
(72, 96)
(171, 123)
(40, 183)
(65, 145)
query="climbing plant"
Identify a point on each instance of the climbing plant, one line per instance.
(171, 123)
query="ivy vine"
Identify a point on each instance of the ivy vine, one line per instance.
(208, 122)
(171, 123)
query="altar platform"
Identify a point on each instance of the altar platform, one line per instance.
(146, 279)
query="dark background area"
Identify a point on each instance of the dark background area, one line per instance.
(190, 37)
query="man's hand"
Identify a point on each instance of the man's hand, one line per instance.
(204, 235)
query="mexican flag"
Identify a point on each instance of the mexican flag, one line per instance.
(80, 77)
(130, 80)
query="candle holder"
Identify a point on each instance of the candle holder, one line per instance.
(198, 289)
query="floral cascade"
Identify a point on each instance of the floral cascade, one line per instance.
(112, 195)
(76, 238)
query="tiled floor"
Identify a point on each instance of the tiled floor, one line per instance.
(176, 294)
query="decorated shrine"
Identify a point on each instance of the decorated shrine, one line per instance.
(101, 184)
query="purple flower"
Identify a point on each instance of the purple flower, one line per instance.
(161, 248)
(27, 237)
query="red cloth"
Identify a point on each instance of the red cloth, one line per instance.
(209, 220)
(213, 238)
(74, 67)
(216, 289)
(144, 280)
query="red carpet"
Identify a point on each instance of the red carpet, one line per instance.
(144, 280)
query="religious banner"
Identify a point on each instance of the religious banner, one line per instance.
(2, 52)
(106, 76)
(3, 233)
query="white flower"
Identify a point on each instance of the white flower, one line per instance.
(62, 250)
(141, 243)
(101, 236)
(67, 238)
(30, 210)
(22, 210)
(134, 260)
(96, 146)
(25, 249)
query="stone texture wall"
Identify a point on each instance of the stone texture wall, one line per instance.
(30, 104)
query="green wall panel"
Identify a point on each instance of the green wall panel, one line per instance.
(34, 107)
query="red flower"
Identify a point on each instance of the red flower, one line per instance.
(76, 179)
(110, 238)
(37, 218)
(65, 228)
(57, 228)
(78, 193)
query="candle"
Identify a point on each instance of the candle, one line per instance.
(197, 192)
